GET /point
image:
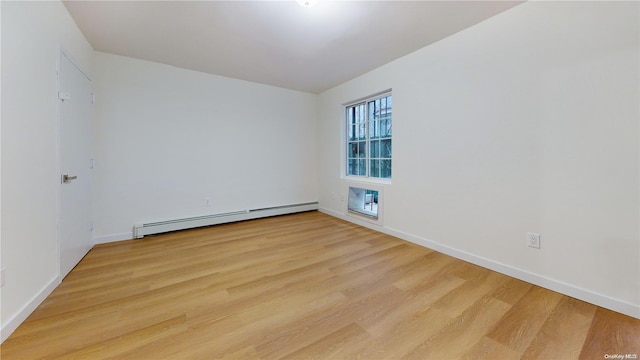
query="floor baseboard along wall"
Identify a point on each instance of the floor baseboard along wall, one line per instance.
(105, 239)
(12, 324)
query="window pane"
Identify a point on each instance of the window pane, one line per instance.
(362, 167)
(375, 149)
(352, 131)
(385, 148)
(357, 149)
(362, 131)
(352, 149)
(374, 170)
(352, 167)
(357, 167)
(372, 109)
(385, 168)
(374, 131)
(385, 127)
(362, 149)
(386, 106)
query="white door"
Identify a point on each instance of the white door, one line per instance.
(76, 102)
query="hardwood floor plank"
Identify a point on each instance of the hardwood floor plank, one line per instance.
(520, 325)
(611, 333)
(367, 260)
(187, 344)
(458, 337)
(133, 339)
(563, 333)
(304, 286)
(488, 349)
(329, 346)
(308, 330)
(274, 316)
(434, 265)
(378, 325)
(465, 295)
(512, 291)
(403, 337)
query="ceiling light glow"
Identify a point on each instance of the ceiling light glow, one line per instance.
(307, 3)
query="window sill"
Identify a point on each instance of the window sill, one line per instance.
(367, 180)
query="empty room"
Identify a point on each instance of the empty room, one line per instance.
(320, 179)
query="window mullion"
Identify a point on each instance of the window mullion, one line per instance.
(366, 143)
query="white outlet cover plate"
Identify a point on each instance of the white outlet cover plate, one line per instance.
(533, 240)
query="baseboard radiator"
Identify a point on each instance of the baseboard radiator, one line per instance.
(140, 230)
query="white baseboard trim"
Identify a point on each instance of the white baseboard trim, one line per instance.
(104, 239)
(536, 279)
(158, 227)
(12, 324)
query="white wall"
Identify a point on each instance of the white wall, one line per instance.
(167, 138)
(32, 33)
(527, 122)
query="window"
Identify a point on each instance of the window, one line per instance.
(369, 137)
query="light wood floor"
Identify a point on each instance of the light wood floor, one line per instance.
(305, 286)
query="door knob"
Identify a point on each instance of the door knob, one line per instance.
(67, 179)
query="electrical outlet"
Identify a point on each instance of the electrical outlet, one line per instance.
(207, 201)
(533, 240)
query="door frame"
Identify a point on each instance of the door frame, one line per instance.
(62, 52)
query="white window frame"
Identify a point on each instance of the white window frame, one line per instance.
(348, 141)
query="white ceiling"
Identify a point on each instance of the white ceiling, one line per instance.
(278, 43)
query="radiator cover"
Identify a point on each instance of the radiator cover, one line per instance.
(140, 230)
